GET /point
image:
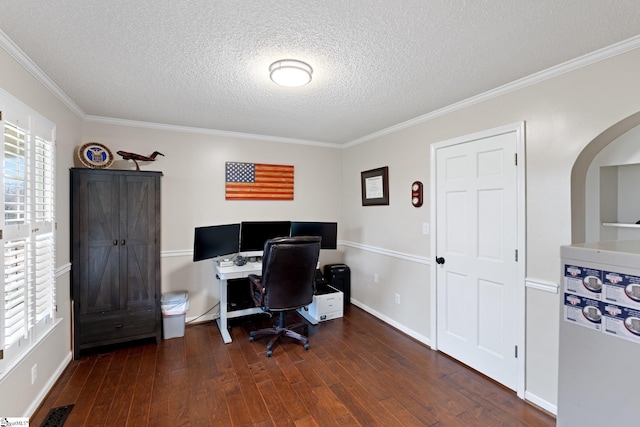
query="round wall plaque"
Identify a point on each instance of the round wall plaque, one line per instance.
(95, 155)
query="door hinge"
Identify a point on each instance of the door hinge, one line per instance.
(516, 255)
(515, 158)
(0, 115)
(516, 352)
(1, 234)
(1, 354)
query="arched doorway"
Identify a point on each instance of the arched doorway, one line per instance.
(579, 173)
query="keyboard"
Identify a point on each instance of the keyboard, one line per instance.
(240, 268)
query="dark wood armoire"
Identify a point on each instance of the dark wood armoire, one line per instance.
(115, 253)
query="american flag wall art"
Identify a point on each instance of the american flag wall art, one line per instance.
(256, 181)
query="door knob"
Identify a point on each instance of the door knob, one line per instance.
(439, 260)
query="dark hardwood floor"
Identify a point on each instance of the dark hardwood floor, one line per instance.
(358, 372)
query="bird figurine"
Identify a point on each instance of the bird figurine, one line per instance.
(139, 157)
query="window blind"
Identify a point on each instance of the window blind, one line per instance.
(15, 292)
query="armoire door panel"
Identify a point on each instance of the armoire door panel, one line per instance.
(100, 289)
(140, 216)
(101, 200)
(98, 262)
(138, 209)
(140, 278)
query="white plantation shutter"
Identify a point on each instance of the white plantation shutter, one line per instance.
(44, 277)
(43, 180)
(15, 314)
(27, 229)
(15, 292)
(42, 281)
(15, 174)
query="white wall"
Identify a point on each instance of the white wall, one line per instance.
(193, 194)
(395, 230)
(18, 397)
(563, 115)
(616, 194)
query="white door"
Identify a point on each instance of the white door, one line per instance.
(478, 287)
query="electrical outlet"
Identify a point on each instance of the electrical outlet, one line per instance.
(425, 228)
(375, 277)
(397, 298)
(34, 374)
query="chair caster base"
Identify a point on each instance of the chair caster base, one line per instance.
(280, 330)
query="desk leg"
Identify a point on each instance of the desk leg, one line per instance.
(222, 319)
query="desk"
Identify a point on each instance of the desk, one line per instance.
(225, 274)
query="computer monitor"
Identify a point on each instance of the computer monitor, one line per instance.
(253, 235)
(327, 230)
(215, 240)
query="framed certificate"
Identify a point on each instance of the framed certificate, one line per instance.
(375, 186)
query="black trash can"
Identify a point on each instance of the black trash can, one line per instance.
(339, 276)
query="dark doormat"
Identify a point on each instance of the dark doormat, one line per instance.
(57, 416)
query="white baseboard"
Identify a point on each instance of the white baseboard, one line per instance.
(549, 407)
(65, 362)
(413, 334)
(200, 319)
(47, 387)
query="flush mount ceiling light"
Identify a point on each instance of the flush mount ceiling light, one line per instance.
(290, 72)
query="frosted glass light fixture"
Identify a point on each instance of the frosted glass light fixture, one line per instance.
(290, 72)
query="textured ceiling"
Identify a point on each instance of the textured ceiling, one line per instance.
(377, 63)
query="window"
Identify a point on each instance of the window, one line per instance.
(27, 229)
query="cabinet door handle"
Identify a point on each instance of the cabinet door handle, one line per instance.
(440, 260)
(122, 242)
(115, 242)
(119, 326)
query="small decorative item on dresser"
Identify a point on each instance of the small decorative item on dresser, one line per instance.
(95, 155)
(139, 157)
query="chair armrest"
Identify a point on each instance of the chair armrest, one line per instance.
(256, 289)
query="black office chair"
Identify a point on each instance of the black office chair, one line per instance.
(287, 283)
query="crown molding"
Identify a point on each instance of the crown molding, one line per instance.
(205, 131)
(599, 55)
(574, 64)
(16, 53)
